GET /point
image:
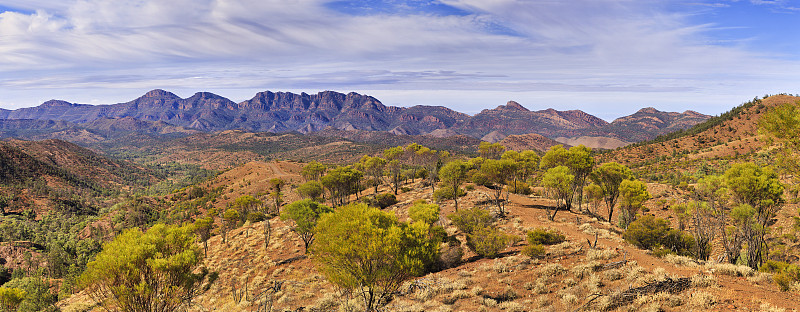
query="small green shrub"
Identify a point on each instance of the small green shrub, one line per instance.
(534, 251)
(446, 193)
(257, 216)
(655, 234)
(381, 200)
(544, 237)
(521, 188)
(488, 242)
(470, 220)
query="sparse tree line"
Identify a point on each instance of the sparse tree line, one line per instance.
(369, 252)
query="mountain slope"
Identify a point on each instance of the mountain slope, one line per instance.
(161, 112)
(513, 118)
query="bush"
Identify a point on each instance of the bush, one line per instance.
(421, 211)
(544, 237)
(521, 188)
(446, 193)
(257, 216)
(470, 220)
(488, 242)
(785, 274)
(381, 200)
(534, 251)
(655, 234)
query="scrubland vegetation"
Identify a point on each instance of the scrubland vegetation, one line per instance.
(416, 229)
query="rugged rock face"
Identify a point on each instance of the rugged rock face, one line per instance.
(305, 113)
(647, 123)
(512, 118)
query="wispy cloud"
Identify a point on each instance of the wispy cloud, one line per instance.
(578, 49)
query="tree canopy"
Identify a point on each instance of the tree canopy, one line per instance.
(146, 271)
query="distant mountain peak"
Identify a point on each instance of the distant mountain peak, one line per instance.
(56, 103)
(159, 93)
(512, 105)
(649, 110)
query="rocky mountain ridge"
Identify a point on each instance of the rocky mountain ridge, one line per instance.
(305, 113)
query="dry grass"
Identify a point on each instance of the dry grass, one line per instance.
(730, 269)
(601, 254)
(701, 300)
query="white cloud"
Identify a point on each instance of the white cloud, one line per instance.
(578, 49)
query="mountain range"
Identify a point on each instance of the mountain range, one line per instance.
(162, 112)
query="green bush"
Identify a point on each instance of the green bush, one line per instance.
(446, 193)
(521, 188)
(785, 274)
(655, 234)
(488, 242)
(534, 251)
(544, 237)
(257, 216)
(381, 201)
(471, 220)
(421, 211)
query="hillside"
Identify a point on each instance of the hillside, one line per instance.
(569, 277)
(732, 137)
(35, 175)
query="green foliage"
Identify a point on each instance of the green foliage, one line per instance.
(446, 192)
(534, 251)
(521, 188)
(633, 194)
(203, 227)
(491, 150)
(754, 185)
(10, 298)
(39, 295)
(784, 274)
(471, 220)
(421, 211)
(497, 173)
(150, 271)
(310, 190)
(369, 251)
(313, 171)
(452, 175)
(609, 176)
(341, 182)
(381, 201)
(654, 233)
(542, 236)
(488, 242)
(244, 205)
(558, 182)
(305, 214)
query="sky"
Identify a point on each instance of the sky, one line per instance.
(606, 57)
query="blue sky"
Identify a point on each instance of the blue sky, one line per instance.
(606, 57)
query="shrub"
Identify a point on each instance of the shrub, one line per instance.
(785, 274)
(655, 234)
(488, 242)
(534, 251)
(446, 193)
(520, 188)
(544, 237)
(257, 216)
(381, 200)
(470, 220)
(421, 211)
